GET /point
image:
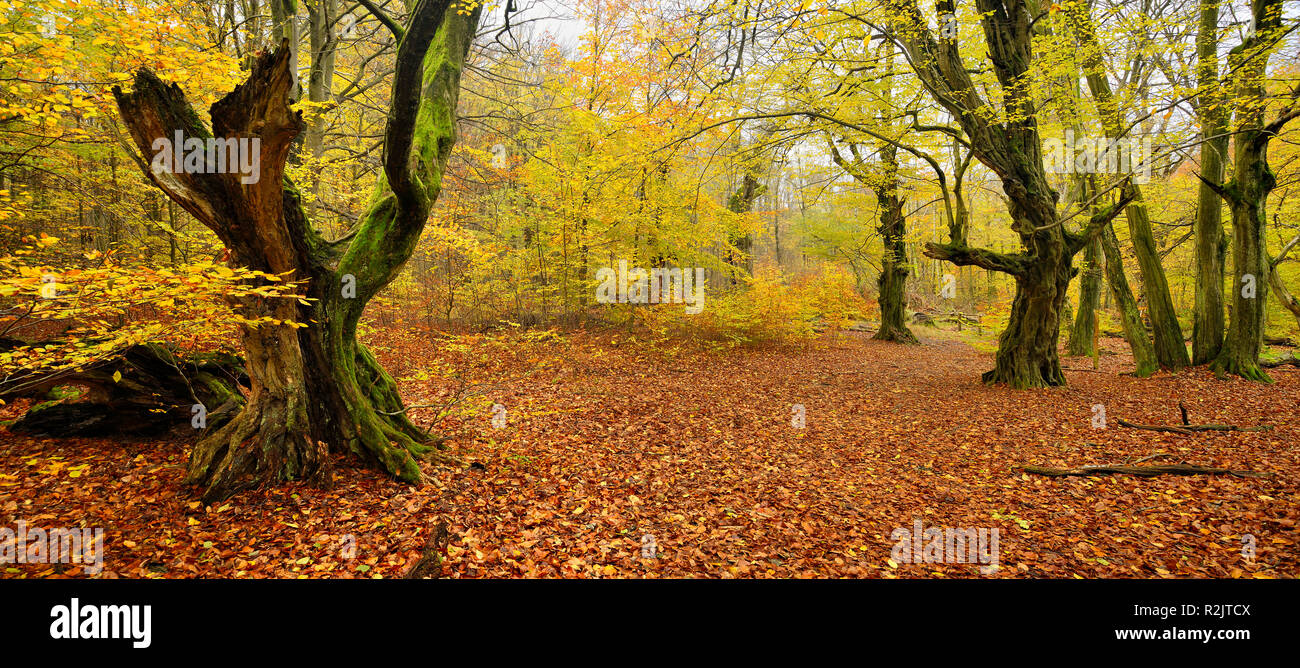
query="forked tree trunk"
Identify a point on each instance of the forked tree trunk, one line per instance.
(1012, 148)
(314, 388)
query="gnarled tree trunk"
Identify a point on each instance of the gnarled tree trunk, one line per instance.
(313, 388)
(1012, 148)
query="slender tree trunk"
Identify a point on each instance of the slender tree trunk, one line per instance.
(1082, 332)
(1171, 351)
(892, 283)
(1247, 194)
(314, 387)
(1207, 318)
(1144, 354)
(284, 27)
(1085, 319)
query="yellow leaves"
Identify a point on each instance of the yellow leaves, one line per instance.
(117, 376)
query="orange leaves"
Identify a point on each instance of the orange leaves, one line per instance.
(695, 451)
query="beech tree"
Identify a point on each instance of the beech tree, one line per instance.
(1008, 142)
(1212, 111)
(1247, 193)
(1171, 352)
(314, 388)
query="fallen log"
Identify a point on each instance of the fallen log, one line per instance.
(144, 390)
(1145, 471)
(1290, 359)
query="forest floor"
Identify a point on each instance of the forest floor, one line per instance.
(609, 438)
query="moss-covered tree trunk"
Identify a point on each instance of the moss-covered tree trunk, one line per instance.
(1144, 355)
(1247, 193)
(892, 283)
(1083, 330)
(1012, 148)
(314, 388)
(1207, 314)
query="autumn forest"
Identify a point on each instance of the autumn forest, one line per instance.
(886, 289)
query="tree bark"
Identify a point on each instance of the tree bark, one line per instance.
(313, 388)
(1207, 314)
(1247, 194)
(1144, 355)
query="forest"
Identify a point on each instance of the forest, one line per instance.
(649, 289)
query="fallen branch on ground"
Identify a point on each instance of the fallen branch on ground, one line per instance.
(1145, 471)
(1189, 429)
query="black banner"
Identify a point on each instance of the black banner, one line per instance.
(165, 619)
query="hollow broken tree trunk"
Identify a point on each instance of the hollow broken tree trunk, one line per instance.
(1012, 149)
(313, 388)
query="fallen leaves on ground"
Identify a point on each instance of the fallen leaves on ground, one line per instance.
(610, 438)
